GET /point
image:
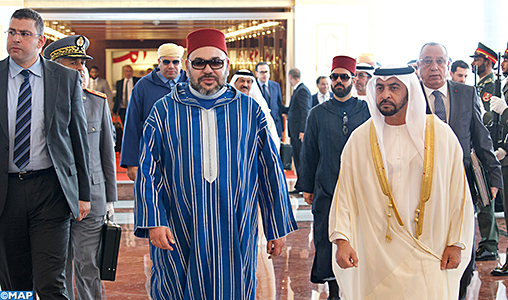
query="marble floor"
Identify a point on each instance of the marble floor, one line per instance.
(286, 277)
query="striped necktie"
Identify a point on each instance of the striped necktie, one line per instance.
(439, 107)
(265, 94)
(23, 123)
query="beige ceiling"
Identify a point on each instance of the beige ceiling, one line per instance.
(146, 30)
(159, 24)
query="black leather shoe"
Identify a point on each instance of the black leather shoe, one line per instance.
(483, 255)
(500, 271)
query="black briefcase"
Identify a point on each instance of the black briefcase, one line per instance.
(286, 155)
(108, 251)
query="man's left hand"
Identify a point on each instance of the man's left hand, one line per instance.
(494, 192)
(308, 197)
(275, 247)
(301, 136)
(451, 258)
(84, 209)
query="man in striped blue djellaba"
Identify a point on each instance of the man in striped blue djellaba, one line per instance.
(207, 162)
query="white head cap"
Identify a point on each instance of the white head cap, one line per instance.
(364, 67)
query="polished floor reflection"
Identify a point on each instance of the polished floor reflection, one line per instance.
(286, 277)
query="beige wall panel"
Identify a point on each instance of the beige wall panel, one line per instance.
(330, 40)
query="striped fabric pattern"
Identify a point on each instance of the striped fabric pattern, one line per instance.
(214, 223)
(21, 155)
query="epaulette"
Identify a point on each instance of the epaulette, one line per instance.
(488, 80)
(97, 93)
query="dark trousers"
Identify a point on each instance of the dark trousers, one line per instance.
(468, 274)
(488, 227)
(321, 267)
(504, 194)
(34, 234)
(296, 143)
(121, 113)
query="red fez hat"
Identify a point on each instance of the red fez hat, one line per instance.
(206, 37)
(345, 62)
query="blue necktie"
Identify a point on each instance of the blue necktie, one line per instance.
(21, 156)
(439, 108)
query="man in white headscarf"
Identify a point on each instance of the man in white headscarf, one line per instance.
(244, 81)
(402, 215)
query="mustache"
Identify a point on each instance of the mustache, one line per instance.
(386, 101)
(209, 76)
(339, 84)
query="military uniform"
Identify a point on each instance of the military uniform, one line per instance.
(503, 271)
(488, 245)
(85, 235)
(486, 90)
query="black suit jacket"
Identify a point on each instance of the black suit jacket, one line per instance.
(119, 93)
(465, 121)
(315, 100)
(298, 110)
(65, 128)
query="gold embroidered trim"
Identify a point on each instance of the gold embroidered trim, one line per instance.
(428, 164)
(428, 170)
(67, 51)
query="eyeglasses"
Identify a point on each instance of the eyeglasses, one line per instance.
(344, 124)
(22, 34)
(439, 61)
(343, 77)
(200, 64)
(363, 75)
(167, 62)
(263, 72)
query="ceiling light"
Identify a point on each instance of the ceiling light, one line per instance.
(250, 29)
(54, 33)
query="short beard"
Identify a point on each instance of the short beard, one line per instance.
(342, 93)
(360, 88)
(195, 84)
(394, 110)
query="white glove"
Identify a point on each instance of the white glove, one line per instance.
(110, 208)
(497, 105)
(500, 154)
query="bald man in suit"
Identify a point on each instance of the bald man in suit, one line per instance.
(458, 105)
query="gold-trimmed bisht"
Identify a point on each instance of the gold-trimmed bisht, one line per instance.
(428, 166)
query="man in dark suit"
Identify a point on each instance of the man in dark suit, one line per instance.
(458, 105)
(44, 161)
(272, 94)
(85, 235)
(297, 113)
(324, 93)
(124, 88)
(100, 84)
